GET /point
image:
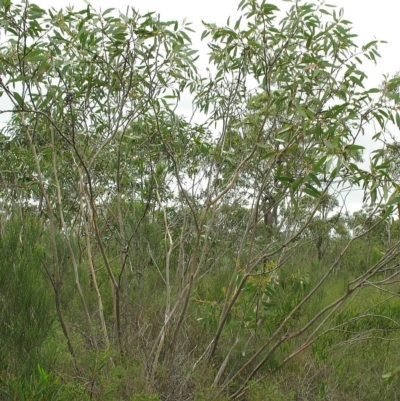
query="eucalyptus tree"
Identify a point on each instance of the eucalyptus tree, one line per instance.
(94, 124)
(87, 94)
(304, 139)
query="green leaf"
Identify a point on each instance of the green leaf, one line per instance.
(288, 128)
(269, 8)
(32, 55)
(284, 179)
(268, 155)
(315, 179)
(398, 120)
(19, 78)
(107, 11)
(356, 81)
(19, 99)
(297, 182)
(370, 44)
(329, 145)
(237, 24)
(387, 212)
(300, 109)
(354, 147)
(373, 90)
(317, 166)
(323, 11)
(393, 84)
(310, 190)
(394, 201)
(391, 375)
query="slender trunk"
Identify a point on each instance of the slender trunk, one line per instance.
(88, 190)
(123, 276)
(56, 276)
(66, 236)
(90, 262)
(167, 313)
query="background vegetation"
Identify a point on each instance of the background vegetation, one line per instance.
(148, 256)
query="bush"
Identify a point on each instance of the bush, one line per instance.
(26, 306)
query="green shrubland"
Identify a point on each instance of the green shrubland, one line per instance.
(146, 256)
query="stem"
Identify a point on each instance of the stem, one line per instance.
(90, 261)
(56, 278)
(67, 239)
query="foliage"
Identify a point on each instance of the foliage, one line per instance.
(144, 397)
(179, 245)
(26, 302)
(45, 387)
